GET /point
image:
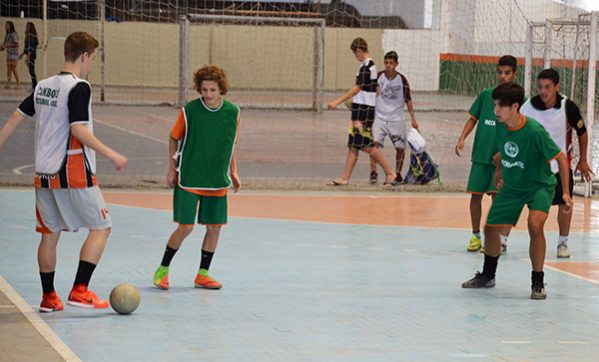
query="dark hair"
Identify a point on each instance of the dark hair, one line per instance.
(359, 43)
(78, 43)
(391, 55)
(30, 29)
(550, 74)
(211, 72)
(508, 60)
(11, 27)
(508, 94)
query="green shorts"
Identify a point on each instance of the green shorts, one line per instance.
(507, 205)
(212, 210)
(481, 179)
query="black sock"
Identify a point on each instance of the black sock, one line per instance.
(84, 272)
(47, 281)
(206, 259)
(169, 253)
(537, 278)
(490, 266)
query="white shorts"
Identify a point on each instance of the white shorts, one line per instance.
(70, 209)
(395, 130)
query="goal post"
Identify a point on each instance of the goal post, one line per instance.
(265, 67)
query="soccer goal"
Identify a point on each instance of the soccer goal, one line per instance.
(570, 47)
(271, 62)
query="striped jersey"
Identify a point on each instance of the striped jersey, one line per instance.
(366, 80)
(56, 104)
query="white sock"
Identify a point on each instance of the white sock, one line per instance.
(503, 239)
(563, 240)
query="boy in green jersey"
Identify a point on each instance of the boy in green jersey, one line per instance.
(202, 167)
(481, 179)
(524, 178)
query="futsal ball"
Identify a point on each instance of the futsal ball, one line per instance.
(124, 298)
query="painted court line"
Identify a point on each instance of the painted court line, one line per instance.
(468, 355)
(516, 342)
(572, 274)
(572, 342)
(130, 132)
(38, 323)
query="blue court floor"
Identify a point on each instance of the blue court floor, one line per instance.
(308, 291)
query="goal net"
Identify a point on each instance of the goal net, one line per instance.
(271, 62)
(283, 56)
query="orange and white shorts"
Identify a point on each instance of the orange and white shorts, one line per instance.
(70, 209)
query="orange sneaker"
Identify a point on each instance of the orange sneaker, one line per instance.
(51, 303)
(161, 278)
(205, 281)
(81, 297)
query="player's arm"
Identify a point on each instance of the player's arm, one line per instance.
(15, 120)
(171, 176)
(577, 123)
(470, 124)
(78, 106)
(348, 95)
(234, 175)
(497, 162)
(564, 175)
(410, 106)
(84, 135)
(583, 165)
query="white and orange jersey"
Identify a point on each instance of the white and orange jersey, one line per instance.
(56, 104)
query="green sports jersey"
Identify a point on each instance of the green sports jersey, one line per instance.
(482, 109)
(207, 147)
(525, 155)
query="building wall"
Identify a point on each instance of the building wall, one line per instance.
(147, 54)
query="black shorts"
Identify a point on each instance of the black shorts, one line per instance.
(362, 112)
(557, 199)
(361, 137)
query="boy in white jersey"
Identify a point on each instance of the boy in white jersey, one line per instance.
(392, 97)
(66, 195)
(201, 170)
(363, 95)
(560, 116)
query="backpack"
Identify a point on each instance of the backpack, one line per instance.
(422, 167)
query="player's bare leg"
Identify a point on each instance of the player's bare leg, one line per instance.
(399, 158)
(564, 219)
(350, 163)
(379, 157)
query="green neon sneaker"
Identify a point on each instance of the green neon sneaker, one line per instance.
(475, 244)
(161, 277)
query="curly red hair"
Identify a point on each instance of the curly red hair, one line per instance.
(214, 73)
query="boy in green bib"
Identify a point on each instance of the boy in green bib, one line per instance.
(202, 167)
(524, 178)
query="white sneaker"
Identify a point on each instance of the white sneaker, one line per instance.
(563, 251)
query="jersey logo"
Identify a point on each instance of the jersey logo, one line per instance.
(511, 149)
(489, 122)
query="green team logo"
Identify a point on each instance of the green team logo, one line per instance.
(511, 149)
